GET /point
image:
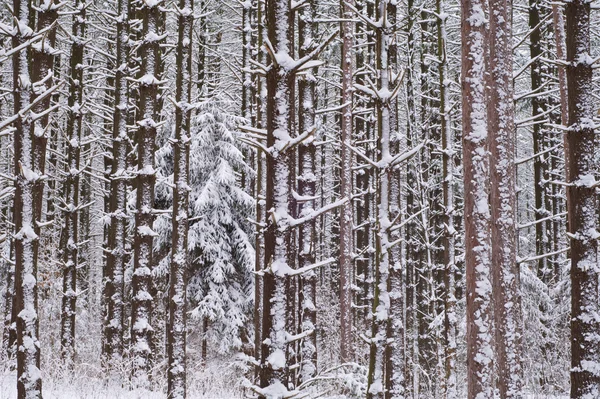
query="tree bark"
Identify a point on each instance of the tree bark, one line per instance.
(176, 337)
(307, 190)
(505, 269)
(30, 138)
(346, 219)
(449, 235)
(69, 241)
(379, 353)
(582, 206)
(260, 197)
(280, 206)
(142, 350)
(476, 208)
(116, 253)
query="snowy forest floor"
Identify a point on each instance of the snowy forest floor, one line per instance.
(215, 381)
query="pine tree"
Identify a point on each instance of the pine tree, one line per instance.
(31, 95)
(116, 254)
(69, 241)
(346, 219)
(221, 251)
(306, 183)
(176, 331)
(142, 350)
(582, 205)
(505, 270)
(476, 207)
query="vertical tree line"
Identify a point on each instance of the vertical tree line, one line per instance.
(368, 199)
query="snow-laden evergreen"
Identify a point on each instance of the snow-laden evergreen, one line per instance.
(220, 232)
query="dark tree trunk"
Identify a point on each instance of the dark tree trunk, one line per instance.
(505, 269)
(116, 253)
(142, 347)
(582, 206)
(278, 237)
(306, 181)
(476, 177)
(176, 337)
(346, 221)
(69, 240)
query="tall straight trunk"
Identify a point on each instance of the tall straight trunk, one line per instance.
(413, 247)
(505, 269)
(278, 237)
(176, 337)
(307, 190)
(424, 284)
(362, 275)
(476, 209)
(142, 350)
(541, 162)
(448, 240)
(582, 205)
(346, 220)
(69, 240)
(260, 195)
(396, 358)
(558, 20)
(247, 105)
(539, 106)
(116, 253)
(29, 141)
(379, 355)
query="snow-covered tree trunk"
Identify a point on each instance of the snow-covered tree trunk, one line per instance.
(394, 381)
(69, 241)
(539, 105)
(505, 269)
(412, 247)
(280, 205)
(582, 206)
(247, 103)
(142, 282)
(306, 182)
(476, 207)
(176, 331)
(346, 220)
(31, 108)
(558, 22)
(381, 301)
(116, 253)
(448, 241)
(260, 194)
(363, 178)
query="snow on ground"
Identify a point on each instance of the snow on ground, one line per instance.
(216, 381)
(96, 389)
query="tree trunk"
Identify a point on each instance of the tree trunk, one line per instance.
(280, 206)
(29, 141)
(116, 253)
(476, 208)
(582, 206)
(448, 240)
(142, 350)
(413, 247)
(505, 269)
(69, 240)
(260, 196)
(307, 190)
(176, 337)
(346, 220)
(379, 355)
